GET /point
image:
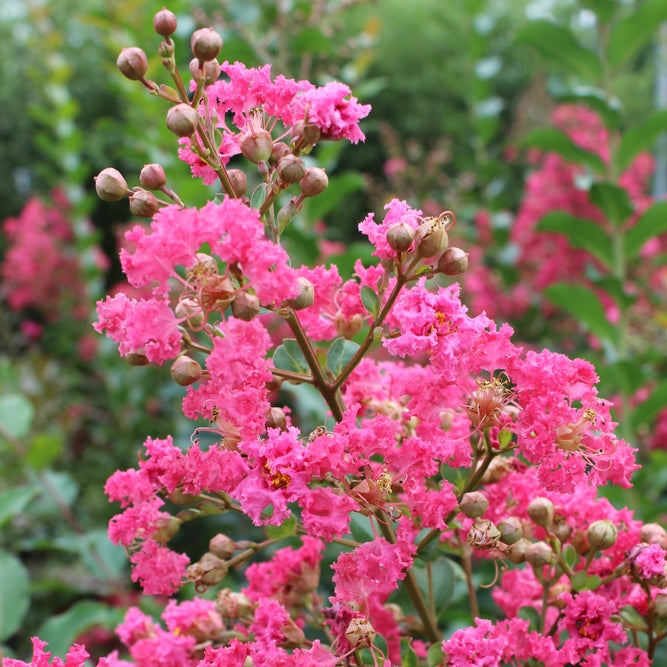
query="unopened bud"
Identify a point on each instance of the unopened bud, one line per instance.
(314, 182)
(164, 23)
(279, 150)
(306, 295)
(208, 571)
(210, 71)
(347, 326)
(602, 534)
(360, 633)
(133, 63)
(541, 511)
(205, 44)
(653, 533)
(539, 554)
(222, 546)
(245, 306)
(291, 168)
(110, 185)
(511, 530)
(182, 120)
(190, 310)
(561, 529)
(306, 133)
(143, 204)
(232, 605)
(473, 504)
(257, 145)
(453, 261)
(167, 527)
(152, 176)
(516, 553)
(400, 236)
(275, 418)
(239, 181)
(136, 359)
(185, 371)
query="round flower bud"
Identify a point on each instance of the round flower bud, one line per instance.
(561, 529)
(511, 530)
(167, 527)
(210, 71)
(453, 261)
(205, 44)
(539, 554)
(152, 176)
(279, 150)
(400, 236)
(314, 182)
(110, 185)
(245, 306)
(541, 511)
(164, 23)
(222, 546)
(239, 181)
(143, 203)
(660, 605)
(133, 63)
(191, 310)
(306, 295)
(602, 534)
(185, 371)
(473, 504)
(360, 633)
(305, 133)
(182, 120)
(231, 604)
(275, 418)
(516, 553)
(653, 533)
(208, 571)
(291, 168)
(257, 145)
(136, 359)
(347, 326)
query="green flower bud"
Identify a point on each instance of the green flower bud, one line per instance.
(541, 511)
(602, 534)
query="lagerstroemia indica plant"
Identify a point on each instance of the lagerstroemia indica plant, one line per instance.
(453, 447)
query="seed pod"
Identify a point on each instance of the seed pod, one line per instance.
(314, 182)
(185, 371)
(143, 203)
(541, 511)
(602, 534)
(453, 261)
(257, 145)
(182, 120)
(110, 185)
(164, 23)
(473, 504)
(152, 176)
(133, 63)
(205, 44)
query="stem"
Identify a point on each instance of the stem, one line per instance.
(466, 562)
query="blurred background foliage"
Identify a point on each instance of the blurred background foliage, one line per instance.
(454, 93)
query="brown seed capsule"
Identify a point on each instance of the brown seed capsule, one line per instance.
(143, 204)
(208, 571)
(152, 176)
(516, 553)
(182, 120)
(133, 63)
(291, 168)
(222, 546)
(110, 185)
(511, 530)
(360, 633)
(539, 554)
(245, 306)
(185, 371)
(275, 418)
(314, 182)
(210, 70)
(205, 44)
(136, 359)
(164, 23)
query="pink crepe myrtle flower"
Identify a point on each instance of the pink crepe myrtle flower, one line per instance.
(397, 211)
(76, 657)
(159, 570)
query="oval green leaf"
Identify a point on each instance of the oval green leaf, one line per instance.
(652, 223)
(582, 581)
(613, 201)
(14, 594)
(16, 415)
(340, 353)
(370, 300)
(641, 138)
(14, 501)
(289, 357)
(555, 141)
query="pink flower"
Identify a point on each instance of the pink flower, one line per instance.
(76, 657)
(326, 513)
(159, 570)
(197, 618)
(649, 563)
(397, 211)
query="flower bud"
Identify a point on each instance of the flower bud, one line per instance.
(360, 633)
(136, 359)
(143, 203)
(347, 326)
(110, 185)
(167, 527)
(400, 236)
(561, 529)
(164, 23)
(208, 571)
(205, 44)
(245, 306)
(185, 371)
(133, 63)
(239, 181)
(483, 534)
(275, 418)
(152, 176)
(210, 71)
(431, 238)
(653, 533)
(182, 120)
(541, 511)
(222, 546)
(314, 182)
(516, 553)
(660, 605)
(232, 605)
(306, 295)
(305, 134)
(291, 168)
(257, 145)
(453, 261)
(473, 504)
(286, 214)
(279, 150)
(602, 534)
(539, 554)
(511, 530)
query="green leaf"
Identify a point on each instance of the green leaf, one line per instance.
(286, 529)
(594, 98)
(570, 555)
(605, 9)
(635, 31)
(408, 656)
(581, 232)
(653, 222)
(531, 615)
(43, 449)
(370, 300)
(14, 594)
(582, 581)
(613, 201)
(434, 656)
(558, 45)
(16, 415)
(340, 353)
(441, 582)
(360, 527)
(555, 141)
(641, 138)
(60, 631)
(614, 288)
(647, 411)
(584, 305)
(14, 501)
(289, 357)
